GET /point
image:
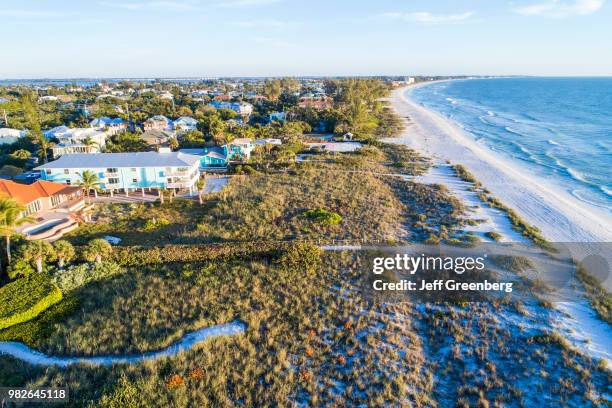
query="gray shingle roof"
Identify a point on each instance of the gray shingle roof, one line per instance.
(104, 160)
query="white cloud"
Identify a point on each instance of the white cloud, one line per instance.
(273, 42)
(29, 13)
(156, 5)
(185, 5)
(265, 24)
(246, 3)
(426, 17)
(562, 8)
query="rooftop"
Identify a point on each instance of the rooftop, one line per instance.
(121, 160)
(26, 193)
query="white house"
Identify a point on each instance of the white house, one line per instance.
(241, 108)
(268, 141)
(76, 140)
(158, 122)
(185, 124)
(108, 125)
(8, 135)
(47, 98)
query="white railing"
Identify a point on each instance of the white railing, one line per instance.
(185, 184)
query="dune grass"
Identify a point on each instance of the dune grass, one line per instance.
(599, 297)
(518, 223)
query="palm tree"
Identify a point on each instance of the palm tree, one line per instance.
(90, 142)
(97, 249)
(37, 251)
(173, 143)
(201, 183)
(44, 145)
(10, 217)
(89, 181)
(64, 252)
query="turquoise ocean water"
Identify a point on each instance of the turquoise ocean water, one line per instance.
(560, 128)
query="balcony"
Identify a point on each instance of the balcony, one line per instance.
(183, 182)
(179, 185)
(179, 174)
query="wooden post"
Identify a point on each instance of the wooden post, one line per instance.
(111, 192)
(143, 193)
(127, 192)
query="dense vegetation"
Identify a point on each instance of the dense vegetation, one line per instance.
(26, 298)
(357, 108)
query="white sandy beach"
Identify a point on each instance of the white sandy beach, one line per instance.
(561, 217)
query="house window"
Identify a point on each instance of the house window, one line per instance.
(67, 181)
(112, 170)
(134, 180)
(48, 171)
(66, 171)
(113, 181)
(133, 169)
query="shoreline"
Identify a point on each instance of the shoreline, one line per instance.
(559, 216)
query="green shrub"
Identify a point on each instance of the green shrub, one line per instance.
(139, 256)
(20, 268)
(40, 328)
(26, 298)
(303, 257)
(78, 275)
(96, 249)
(323, 216)
(152, 224)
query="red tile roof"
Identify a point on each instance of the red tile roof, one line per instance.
(26, 193)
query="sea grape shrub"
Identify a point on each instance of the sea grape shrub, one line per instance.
(139, 256)
(24, 299)
(323, 216)
(76, 276)
(36, 331)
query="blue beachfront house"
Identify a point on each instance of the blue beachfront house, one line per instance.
(211, 158)
(218, 157)
(127, 172)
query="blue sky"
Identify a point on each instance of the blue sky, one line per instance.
(136, 38)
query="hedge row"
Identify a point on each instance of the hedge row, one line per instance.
(35, 331)
(137, 255)
(26, 298)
